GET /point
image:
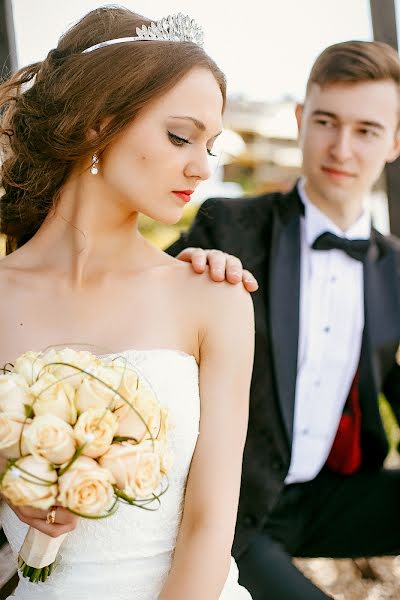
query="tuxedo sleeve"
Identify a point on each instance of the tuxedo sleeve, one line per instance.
(391, 389)
(205, 229)
(391, 384)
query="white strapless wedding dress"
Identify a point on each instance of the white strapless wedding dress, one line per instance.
(128, 556)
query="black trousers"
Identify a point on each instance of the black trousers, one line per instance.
(331, 516)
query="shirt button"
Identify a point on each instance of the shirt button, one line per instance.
(327, 329)
(304, 432)
(333, 279)
(317, 383)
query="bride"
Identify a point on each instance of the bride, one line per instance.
(92, 136)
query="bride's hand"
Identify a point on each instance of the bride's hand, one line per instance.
(222, 266)
(64, 522)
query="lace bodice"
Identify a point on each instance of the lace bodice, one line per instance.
(127, 556)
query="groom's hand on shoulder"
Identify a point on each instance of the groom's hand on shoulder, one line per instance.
(222, 266)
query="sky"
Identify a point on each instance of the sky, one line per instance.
(265, 47)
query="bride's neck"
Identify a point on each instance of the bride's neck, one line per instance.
(89, 232)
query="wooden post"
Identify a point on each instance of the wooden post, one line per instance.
(8, 53)
(383, 17)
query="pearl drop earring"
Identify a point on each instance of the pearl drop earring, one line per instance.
(94, 169)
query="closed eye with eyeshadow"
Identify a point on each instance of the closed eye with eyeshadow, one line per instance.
(178, 140)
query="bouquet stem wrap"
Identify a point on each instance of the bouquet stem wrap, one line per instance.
(40, 550)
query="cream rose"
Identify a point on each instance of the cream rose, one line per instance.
(93, 393)
(31, 481)
(160, 447)
(51, 438)
(96, 429)
(15, 397)
(52, 397)
(127, 381)
(136, 472)
(12, 443)
(29, 365)
(131, 425)
(76, 361)
(86, 488)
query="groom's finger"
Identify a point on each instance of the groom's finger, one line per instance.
(217, 261)
(196, 256)
(233, 269)
(199, 259)
(249, 281)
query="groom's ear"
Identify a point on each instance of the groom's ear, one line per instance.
(298, 111)
(395, 150)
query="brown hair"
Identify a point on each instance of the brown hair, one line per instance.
(355, 61)
(48, 108)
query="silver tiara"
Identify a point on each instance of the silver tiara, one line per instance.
(174, 28)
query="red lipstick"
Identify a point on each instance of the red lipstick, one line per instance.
(184, 195)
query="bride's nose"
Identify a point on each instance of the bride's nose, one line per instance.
(198, 167)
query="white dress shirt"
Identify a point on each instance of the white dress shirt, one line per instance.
(331, 322)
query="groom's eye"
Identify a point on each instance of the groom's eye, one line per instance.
(325, 122)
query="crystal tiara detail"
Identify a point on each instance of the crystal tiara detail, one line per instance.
(173, 28)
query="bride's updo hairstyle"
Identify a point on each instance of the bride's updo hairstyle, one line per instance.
(48, 108)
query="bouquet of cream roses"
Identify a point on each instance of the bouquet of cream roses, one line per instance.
(82, 432)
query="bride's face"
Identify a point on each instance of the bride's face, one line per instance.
(164, 154)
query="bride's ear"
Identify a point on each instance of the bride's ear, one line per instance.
(93, 132)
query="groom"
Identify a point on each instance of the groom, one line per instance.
(327, 331)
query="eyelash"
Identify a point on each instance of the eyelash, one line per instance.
(364, 132)
(324, 122)
(179, 141)
(368, 133)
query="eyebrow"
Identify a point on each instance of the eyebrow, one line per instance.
(199, 124)
(325, 113)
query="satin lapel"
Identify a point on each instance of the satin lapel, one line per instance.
(284, 290)
(382, 309)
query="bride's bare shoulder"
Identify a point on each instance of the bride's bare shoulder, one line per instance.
(13, 270)
(209, 297)
(8, 268)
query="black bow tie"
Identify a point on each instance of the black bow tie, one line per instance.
(355, 248)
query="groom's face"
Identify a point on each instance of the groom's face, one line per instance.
(347, 132)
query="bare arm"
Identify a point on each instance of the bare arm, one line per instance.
(202, 555)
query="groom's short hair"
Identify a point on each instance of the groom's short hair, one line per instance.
(355, 61)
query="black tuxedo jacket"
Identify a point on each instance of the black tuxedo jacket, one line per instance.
(264, 232)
